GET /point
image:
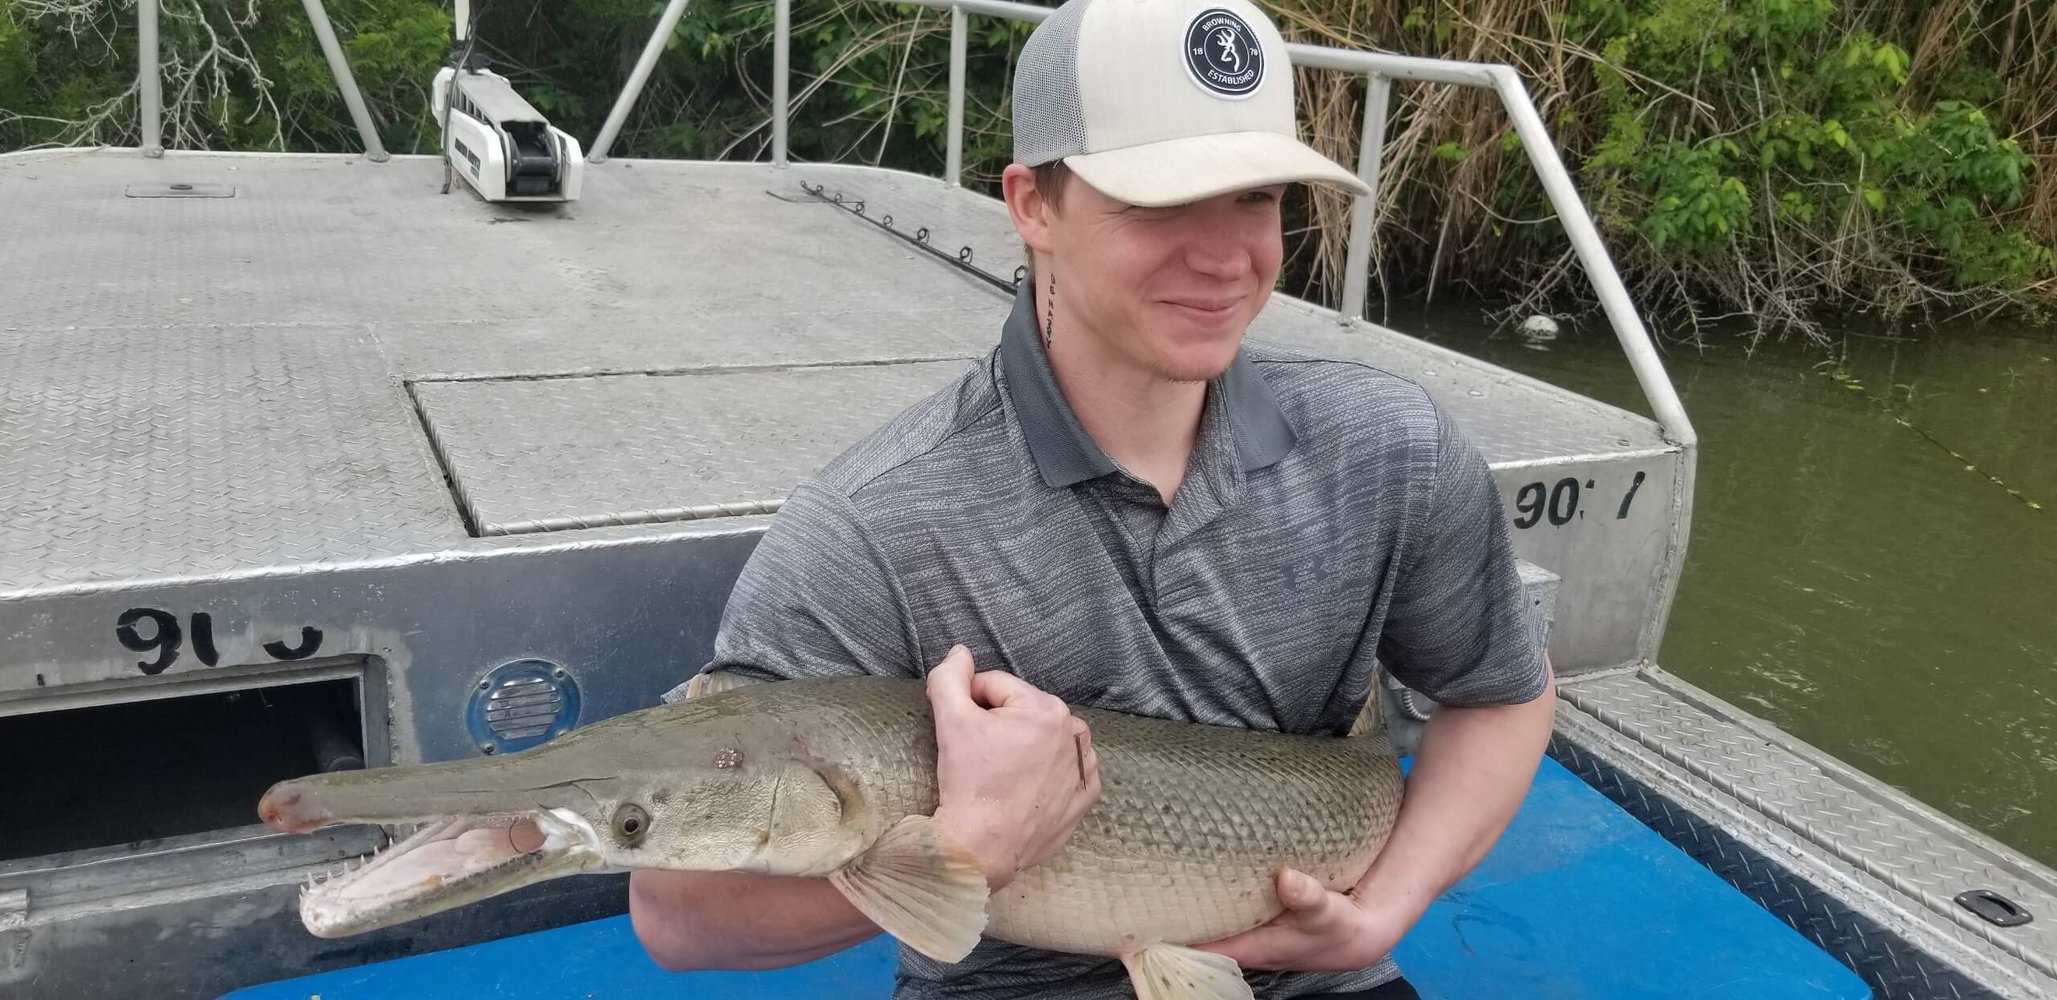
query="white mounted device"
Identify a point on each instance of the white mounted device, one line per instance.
(500, 144)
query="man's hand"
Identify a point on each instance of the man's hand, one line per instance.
(1320, 930)
(1015, 770)
(1469, 777)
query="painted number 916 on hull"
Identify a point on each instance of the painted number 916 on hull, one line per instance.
(1558, 502)
(157, 631)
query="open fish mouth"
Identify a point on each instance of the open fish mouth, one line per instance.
(445, 864)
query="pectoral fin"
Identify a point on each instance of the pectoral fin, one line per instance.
(1171, 972)
(708, 682)
(921, 888)
(1372, 717)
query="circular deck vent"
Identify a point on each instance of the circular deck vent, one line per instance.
(520, 704)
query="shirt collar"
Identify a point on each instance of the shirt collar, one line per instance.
(1066, 455)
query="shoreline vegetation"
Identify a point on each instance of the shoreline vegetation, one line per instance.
(1763, 165)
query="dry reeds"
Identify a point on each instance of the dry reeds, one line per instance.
(1459, 209)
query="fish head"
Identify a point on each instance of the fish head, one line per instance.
(689, 787)
(737, 799)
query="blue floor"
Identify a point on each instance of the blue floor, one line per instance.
(1578, 901)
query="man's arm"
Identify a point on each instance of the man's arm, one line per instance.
(737, 920)
(1459, 630)
(1469, 777)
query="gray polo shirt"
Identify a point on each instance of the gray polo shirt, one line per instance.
(1331, 513)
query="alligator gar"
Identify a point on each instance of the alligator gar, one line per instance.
(836, 778)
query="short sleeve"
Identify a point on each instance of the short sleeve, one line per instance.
(816, 599)
(1458, 627)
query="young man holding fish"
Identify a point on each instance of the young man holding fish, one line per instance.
(1125, 506)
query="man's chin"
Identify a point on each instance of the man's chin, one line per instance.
(1194, 369)
(1179, 354)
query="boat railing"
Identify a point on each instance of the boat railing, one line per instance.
(1379, 70)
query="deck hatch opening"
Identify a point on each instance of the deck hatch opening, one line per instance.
(140, 770)
(576, 451)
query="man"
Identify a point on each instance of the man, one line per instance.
(1124, 506)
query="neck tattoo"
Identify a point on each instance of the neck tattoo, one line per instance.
(1050, 317)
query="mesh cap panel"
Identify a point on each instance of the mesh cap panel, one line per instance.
(1049, 120)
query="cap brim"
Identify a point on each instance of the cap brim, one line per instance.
(1180, 171)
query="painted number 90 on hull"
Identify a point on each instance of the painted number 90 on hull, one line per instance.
(1558, 502)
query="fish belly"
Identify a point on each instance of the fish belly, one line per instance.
(1190, 833)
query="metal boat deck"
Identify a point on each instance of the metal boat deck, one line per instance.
(289, 373)
(356, 430)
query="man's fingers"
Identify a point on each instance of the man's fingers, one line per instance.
(1000, 689)
(1292, 933)
(1300, 891)
(949, 684)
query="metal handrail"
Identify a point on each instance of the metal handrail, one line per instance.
(1379, 70)
(150, 82)
(339, 67)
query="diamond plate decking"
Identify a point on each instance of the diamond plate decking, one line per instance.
(1894, 968)
(133, 453)
(195, 386)
(1891, 862)
(532, 455)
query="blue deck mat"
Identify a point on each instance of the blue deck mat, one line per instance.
(1577, 901)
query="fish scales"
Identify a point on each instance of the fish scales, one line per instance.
(1193, 824)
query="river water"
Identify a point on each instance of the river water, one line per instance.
(1848, 577)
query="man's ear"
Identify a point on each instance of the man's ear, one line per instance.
(1027, 207)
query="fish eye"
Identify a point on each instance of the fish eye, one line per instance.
(728, 758)
(630, 822)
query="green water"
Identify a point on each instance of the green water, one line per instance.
(1848, 579)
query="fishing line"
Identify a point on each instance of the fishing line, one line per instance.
(1969, 465)
(471, 40)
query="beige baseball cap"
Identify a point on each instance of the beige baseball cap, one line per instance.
(1164, 102)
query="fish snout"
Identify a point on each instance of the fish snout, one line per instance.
(285, 807)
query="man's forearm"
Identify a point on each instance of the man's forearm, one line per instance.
(1469, 777)
(729, 920)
